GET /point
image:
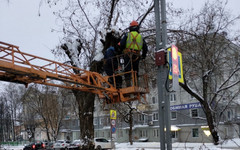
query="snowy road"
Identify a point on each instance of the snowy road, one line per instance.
(156, 145)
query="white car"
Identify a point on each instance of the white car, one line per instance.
(102, 143)
(61, 144)
(75, 145)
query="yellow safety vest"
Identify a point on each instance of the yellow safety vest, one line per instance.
(134, 41)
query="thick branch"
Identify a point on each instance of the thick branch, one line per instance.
(192, 92)
(145, 15)
(114, 2)
(86, 15)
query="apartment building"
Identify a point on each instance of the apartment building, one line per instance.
(188, 121)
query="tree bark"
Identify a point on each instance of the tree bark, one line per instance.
(85, 111)
(130, 127)
(208, 112)
(210, 122)
(47, 129)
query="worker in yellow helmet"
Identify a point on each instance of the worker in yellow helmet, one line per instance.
(135, 48)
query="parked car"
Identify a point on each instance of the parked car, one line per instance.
(75, 145)
(30, 146)
(35, 146)
(102, 143)
(61, 144)
(48, 145)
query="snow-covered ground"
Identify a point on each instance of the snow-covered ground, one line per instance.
(227, 145)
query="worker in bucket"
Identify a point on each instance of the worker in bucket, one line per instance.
(134, 48)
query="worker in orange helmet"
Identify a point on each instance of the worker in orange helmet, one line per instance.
(134, 48)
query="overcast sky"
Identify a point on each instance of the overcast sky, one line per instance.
(20, 24)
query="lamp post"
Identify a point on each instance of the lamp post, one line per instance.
(162, 76)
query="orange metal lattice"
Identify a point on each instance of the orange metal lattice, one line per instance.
(20, 67)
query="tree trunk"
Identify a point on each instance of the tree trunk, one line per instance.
(131, 126)
(32, 138)
(47, 129)
(85, 111)
(210, 122)
(208, 112)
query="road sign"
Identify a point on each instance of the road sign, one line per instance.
(113, 129)
(113, 114)
(180, 67)
(113, 122)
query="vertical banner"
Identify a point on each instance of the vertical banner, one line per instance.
(180, 67)
(175, 70)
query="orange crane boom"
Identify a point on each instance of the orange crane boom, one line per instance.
(20, 67)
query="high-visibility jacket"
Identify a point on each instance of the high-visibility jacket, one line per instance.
(134, 41)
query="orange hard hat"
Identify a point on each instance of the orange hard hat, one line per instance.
(133, 23)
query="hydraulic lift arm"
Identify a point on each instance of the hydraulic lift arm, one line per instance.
(20, 67)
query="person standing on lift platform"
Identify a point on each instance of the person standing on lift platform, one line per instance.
(132, 45)
(111, 64)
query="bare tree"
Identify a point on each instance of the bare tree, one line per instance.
(5, 120)
(39, 100)
(82, 47)
(210, 60)
(12, 95)
(126, 112)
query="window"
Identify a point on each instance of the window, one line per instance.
(173, 115)
(141, 117)
(154, 101)
(143, 133)
(155, 133)
(172, 97)
(96, 134)
(155, 117)
(229, 115)
(102, 134)
(226, 132)
(174, 134)
(195, 132)
(95, 121)
(101, 121)
(108, 120)
(194, 113)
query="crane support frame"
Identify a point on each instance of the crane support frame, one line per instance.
(20, 67)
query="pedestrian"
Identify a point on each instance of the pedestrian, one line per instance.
(112, 64)
(134, 48)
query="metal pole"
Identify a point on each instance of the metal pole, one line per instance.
(160, 78)
(164, 23)
(167, 102)
(161, 107)
(157, 22)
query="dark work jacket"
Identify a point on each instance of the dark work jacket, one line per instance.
(111, 63)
